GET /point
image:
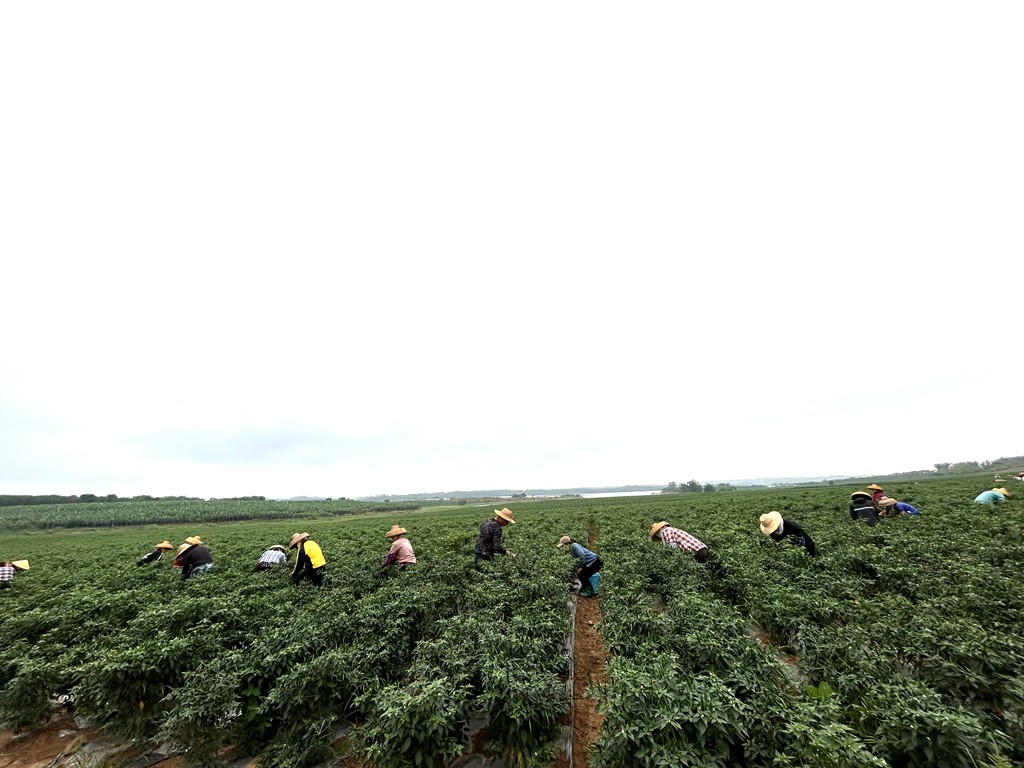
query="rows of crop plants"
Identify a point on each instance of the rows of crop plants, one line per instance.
(906, 639)
(170, 512)
(909, 636)
(240, 658)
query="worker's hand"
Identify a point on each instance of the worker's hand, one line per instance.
(511, 554)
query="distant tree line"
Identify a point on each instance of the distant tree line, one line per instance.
(968, 467)
(13, 500)
(694, 486)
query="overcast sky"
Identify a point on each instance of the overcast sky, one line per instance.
(343, 249)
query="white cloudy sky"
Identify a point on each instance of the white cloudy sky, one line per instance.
(354, 248)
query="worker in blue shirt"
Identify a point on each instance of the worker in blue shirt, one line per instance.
(890, 506)
(590, 565)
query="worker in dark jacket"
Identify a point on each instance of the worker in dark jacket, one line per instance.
(863, 508)
(309, 560)
(488, 543)
(156, 554)
(196, 559)
(776, 528)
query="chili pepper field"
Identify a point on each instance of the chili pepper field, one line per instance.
(899, 645)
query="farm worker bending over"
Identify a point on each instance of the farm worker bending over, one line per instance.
(590, 565)
(195, 559)
(995, 496)
(156, 554)
(677, 539)
(401, 553)
(488, 543)
(774, 526)
(876, 492)
(8, 569)
(272, 556)
(893, 507)
(176, 563)
(309, 561)
(863, 508)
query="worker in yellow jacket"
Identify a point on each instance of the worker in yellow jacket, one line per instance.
(309, 561)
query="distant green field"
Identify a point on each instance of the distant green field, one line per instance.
(914, 627)
(169, 512)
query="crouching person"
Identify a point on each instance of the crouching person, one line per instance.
(776, 528)
(590, 565)
(196, 559)
(310, 564)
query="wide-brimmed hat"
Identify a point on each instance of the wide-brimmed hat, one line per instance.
(564, 542)
(276, 546)
(181, 549)
(395, 531)
(1002, 491)
(21, 565)
(194, 540)
(770, 522)
(296, 538)
(874, 487)
(165, 544)
(860, 493)
(504, 514)
(885, 501)
(657, 527)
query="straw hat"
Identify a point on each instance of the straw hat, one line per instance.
(855, 494)
(504, 514)
(276, 546)
(21, 565)
(885, 501)
(1002, 491)
(395, 531)
(770, 522)
(181, 549)
(193, 540)
(565, 541)
(165, 544)
(874, 487)
(296, 539)
(657, 527)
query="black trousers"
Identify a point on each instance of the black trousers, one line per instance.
(314, 575)
(479, 557)
(589, 570)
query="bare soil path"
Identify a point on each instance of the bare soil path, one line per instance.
(588, 667)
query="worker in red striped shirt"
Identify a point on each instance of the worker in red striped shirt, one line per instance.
(675, 538)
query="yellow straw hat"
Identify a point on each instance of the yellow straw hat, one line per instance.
(276, 546)
(296, 538)
(770, 522)
(21, 565)
(165, 544)
(874, 487)
(504, 514)
(1002, 491)
(194, 541)
(565, 541)
(885, 501)
(860, 493)
(181, 549)
(657, 527)
(395, 531)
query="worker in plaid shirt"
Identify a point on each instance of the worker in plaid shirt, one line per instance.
(678, 539)
(6, 574)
